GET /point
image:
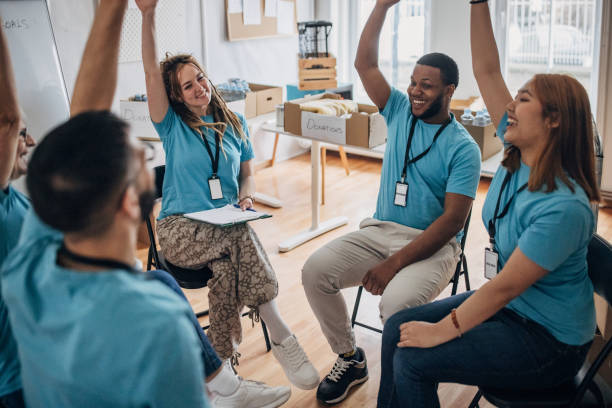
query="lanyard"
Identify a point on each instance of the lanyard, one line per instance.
(505, 210)
(214, 159)
(420, 156)
(103, 263)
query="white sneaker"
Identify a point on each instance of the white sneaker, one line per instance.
(252, 394)
(295, 363)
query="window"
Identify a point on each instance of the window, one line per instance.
(555, 36)
(402, 40)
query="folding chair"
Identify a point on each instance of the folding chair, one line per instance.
(461, 269)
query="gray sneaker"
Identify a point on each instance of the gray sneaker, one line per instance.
(252, 394)
(298, 369)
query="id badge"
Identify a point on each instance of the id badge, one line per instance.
(401, 192)
(214, 183)
(490, 263)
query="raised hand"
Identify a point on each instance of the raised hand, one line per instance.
(145, 5)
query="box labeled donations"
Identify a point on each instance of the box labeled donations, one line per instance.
(365, 128)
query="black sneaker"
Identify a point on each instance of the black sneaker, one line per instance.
(346, 373)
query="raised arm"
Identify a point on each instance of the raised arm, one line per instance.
(9, 114)
(485, 63)
(366, 61)
(156, 91)
(97, 78)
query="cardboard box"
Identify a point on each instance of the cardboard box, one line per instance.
(262, 99)
(367, 128)
(485, 137)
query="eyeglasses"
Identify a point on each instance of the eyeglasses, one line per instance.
(149, 151)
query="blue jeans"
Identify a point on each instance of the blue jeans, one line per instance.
(12, 400)
(209, 356)
(506, 351)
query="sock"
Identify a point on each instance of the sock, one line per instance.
(279, 331)
(225, 383)
(349, 354)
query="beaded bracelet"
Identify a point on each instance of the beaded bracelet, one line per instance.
(455, 321)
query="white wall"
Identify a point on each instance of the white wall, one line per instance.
(270, 61)
(450, 34)
(71, 21)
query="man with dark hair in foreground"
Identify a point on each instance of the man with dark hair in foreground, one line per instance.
(92, 330)
(407, 252)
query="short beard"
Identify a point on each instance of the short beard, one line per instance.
(434, 109)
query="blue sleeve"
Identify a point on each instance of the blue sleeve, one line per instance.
(179, 354)
(501, 129)
(465, 171)
(34, 229)
(398, 102)
(546, 240)
(168, 123)
(246, 151)
(169, 356)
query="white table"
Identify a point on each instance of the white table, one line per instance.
(317, 226)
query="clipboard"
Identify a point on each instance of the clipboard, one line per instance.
(226, 216)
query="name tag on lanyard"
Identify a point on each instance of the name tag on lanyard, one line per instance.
(490, 263)
(401, 192)
(214, 183)
(401, 187)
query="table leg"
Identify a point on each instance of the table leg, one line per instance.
(317, 228)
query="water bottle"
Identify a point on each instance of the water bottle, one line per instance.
(467, 116)
(480, 119)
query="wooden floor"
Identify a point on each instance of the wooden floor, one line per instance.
(355, 197)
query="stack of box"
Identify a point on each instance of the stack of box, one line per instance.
(484, 136)
(317, 73)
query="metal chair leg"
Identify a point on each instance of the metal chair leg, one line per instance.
(465, 274)
(266, 338)
(356, 307)
(149, 258)
(474, 403)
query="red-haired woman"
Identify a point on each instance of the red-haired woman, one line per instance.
(534, 321)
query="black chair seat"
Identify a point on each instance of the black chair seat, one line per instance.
(558, 396)
(187, 278)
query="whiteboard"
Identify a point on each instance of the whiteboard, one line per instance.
(40, 83)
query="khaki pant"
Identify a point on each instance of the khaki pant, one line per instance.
(343, 263)
(242, 273)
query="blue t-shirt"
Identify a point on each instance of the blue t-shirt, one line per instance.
(104, 339)
(553, 230)
(451, 166)
(188, 165)
(13, 207)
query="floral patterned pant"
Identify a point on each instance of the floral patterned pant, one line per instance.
(242, 273)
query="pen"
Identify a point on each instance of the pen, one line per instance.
(248, 209)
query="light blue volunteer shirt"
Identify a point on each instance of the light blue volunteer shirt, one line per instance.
(13, 207)
(451, 166)
(97, 339)
(188, 165)
(553, 230)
